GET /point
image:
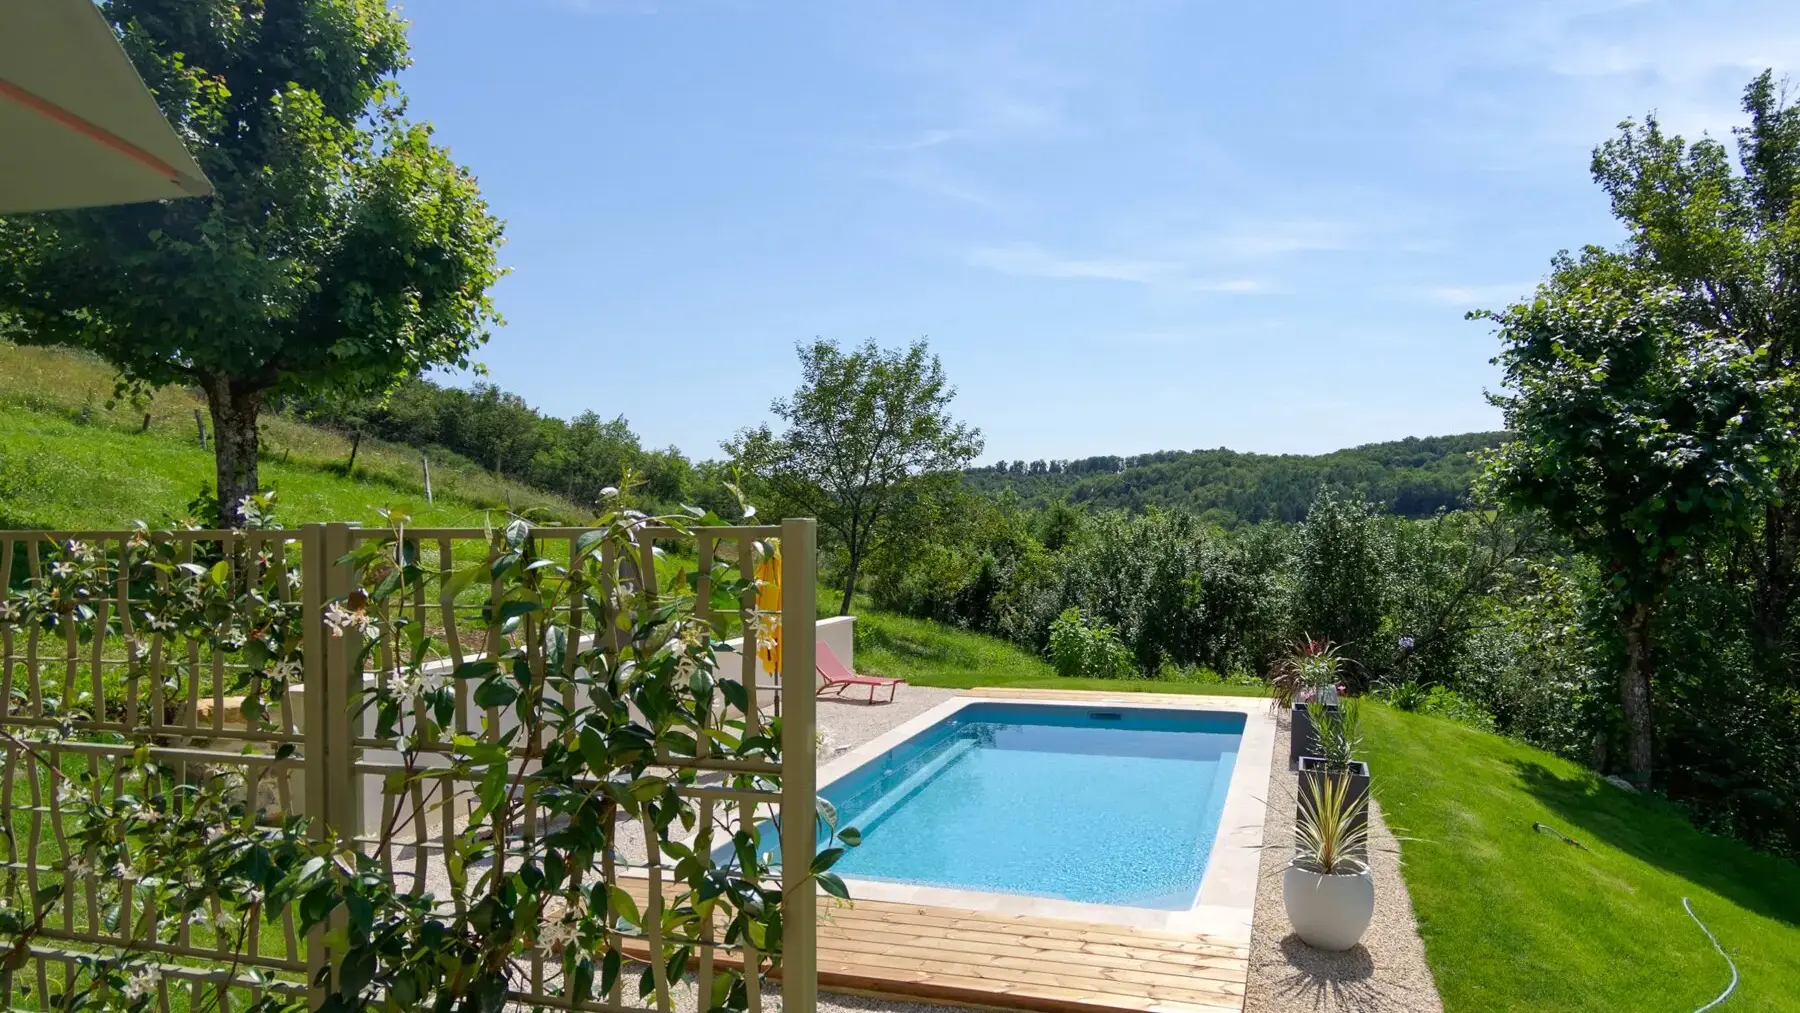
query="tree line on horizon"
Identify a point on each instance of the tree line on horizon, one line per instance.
(1413, 477)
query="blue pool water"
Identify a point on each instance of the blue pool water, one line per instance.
(1114, 806)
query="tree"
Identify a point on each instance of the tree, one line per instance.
(343, 248)
(1342, 558)
(860, 427)
(1729, 241)
(1637, 432)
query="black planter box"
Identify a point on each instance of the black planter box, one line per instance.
(1305, 739)
(1313, 769)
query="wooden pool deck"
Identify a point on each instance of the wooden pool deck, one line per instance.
(1017, 962)
(1003, 961)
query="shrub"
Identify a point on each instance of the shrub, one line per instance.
(1084, 647)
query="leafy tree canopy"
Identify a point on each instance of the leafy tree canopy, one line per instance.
(343, 248)
(862, 425)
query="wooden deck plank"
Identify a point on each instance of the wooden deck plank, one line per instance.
(1002, 961)
(957, 941)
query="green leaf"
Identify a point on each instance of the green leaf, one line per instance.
(386, 586)
(514, 609)
(850, 836)
(593, 749)
(625, 907)
(495, 693)
(824, 860)
(356, 971)
(609, 970)
(735, 695)
(831, 884)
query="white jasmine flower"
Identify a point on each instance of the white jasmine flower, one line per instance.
(555, 936)
(403, 684)
(80, 867)
(125, 873)
(143, 983)
(339, 619)
(62, 569)
(431, 682)
(288, 670)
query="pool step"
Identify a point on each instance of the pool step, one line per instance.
(870, 816)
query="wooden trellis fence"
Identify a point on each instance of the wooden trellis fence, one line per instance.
(85, 694)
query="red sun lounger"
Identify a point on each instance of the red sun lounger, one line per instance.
(835, 677)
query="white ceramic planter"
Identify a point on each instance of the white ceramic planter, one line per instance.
(1328, 912)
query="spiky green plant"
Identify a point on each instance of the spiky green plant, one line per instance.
(1329, 837)
(1339, 731)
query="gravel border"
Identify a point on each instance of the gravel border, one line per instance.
(1385, 973)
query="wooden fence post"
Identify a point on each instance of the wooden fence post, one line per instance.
(315, 719)
(799, 766)
(425, 459)
(200, 428)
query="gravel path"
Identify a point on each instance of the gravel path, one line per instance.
(1385, 973)
(847, 724)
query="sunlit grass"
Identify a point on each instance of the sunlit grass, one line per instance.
(1516, 919)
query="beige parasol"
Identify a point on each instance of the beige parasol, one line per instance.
(77, 126)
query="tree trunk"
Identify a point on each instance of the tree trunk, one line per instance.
(355, 445)
(1774, 592)
(850, 582)
(1634, 694)
(234, 410)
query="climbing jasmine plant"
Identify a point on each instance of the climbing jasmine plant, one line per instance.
(597, 690)
(530, 773)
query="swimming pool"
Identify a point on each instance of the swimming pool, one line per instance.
(1108, 805)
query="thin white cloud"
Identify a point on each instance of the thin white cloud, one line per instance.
(1028, 260)
(1271, 239)
(920, 140)
(934, 178)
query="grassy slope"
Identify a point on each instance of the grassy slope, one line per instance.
(57, 471)
(1516, 920)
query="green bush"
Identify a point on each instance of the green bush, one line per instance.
(1084, 647)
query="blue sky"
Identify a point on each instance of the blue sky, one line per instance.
(1125, 225)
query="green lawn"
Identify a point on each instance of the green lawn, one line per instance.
(1515, 919)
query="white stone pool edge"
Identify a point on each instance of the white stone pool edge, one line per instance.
(1224, 906)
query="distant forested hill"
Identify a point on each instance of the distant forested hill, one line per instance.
(1413, 477)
